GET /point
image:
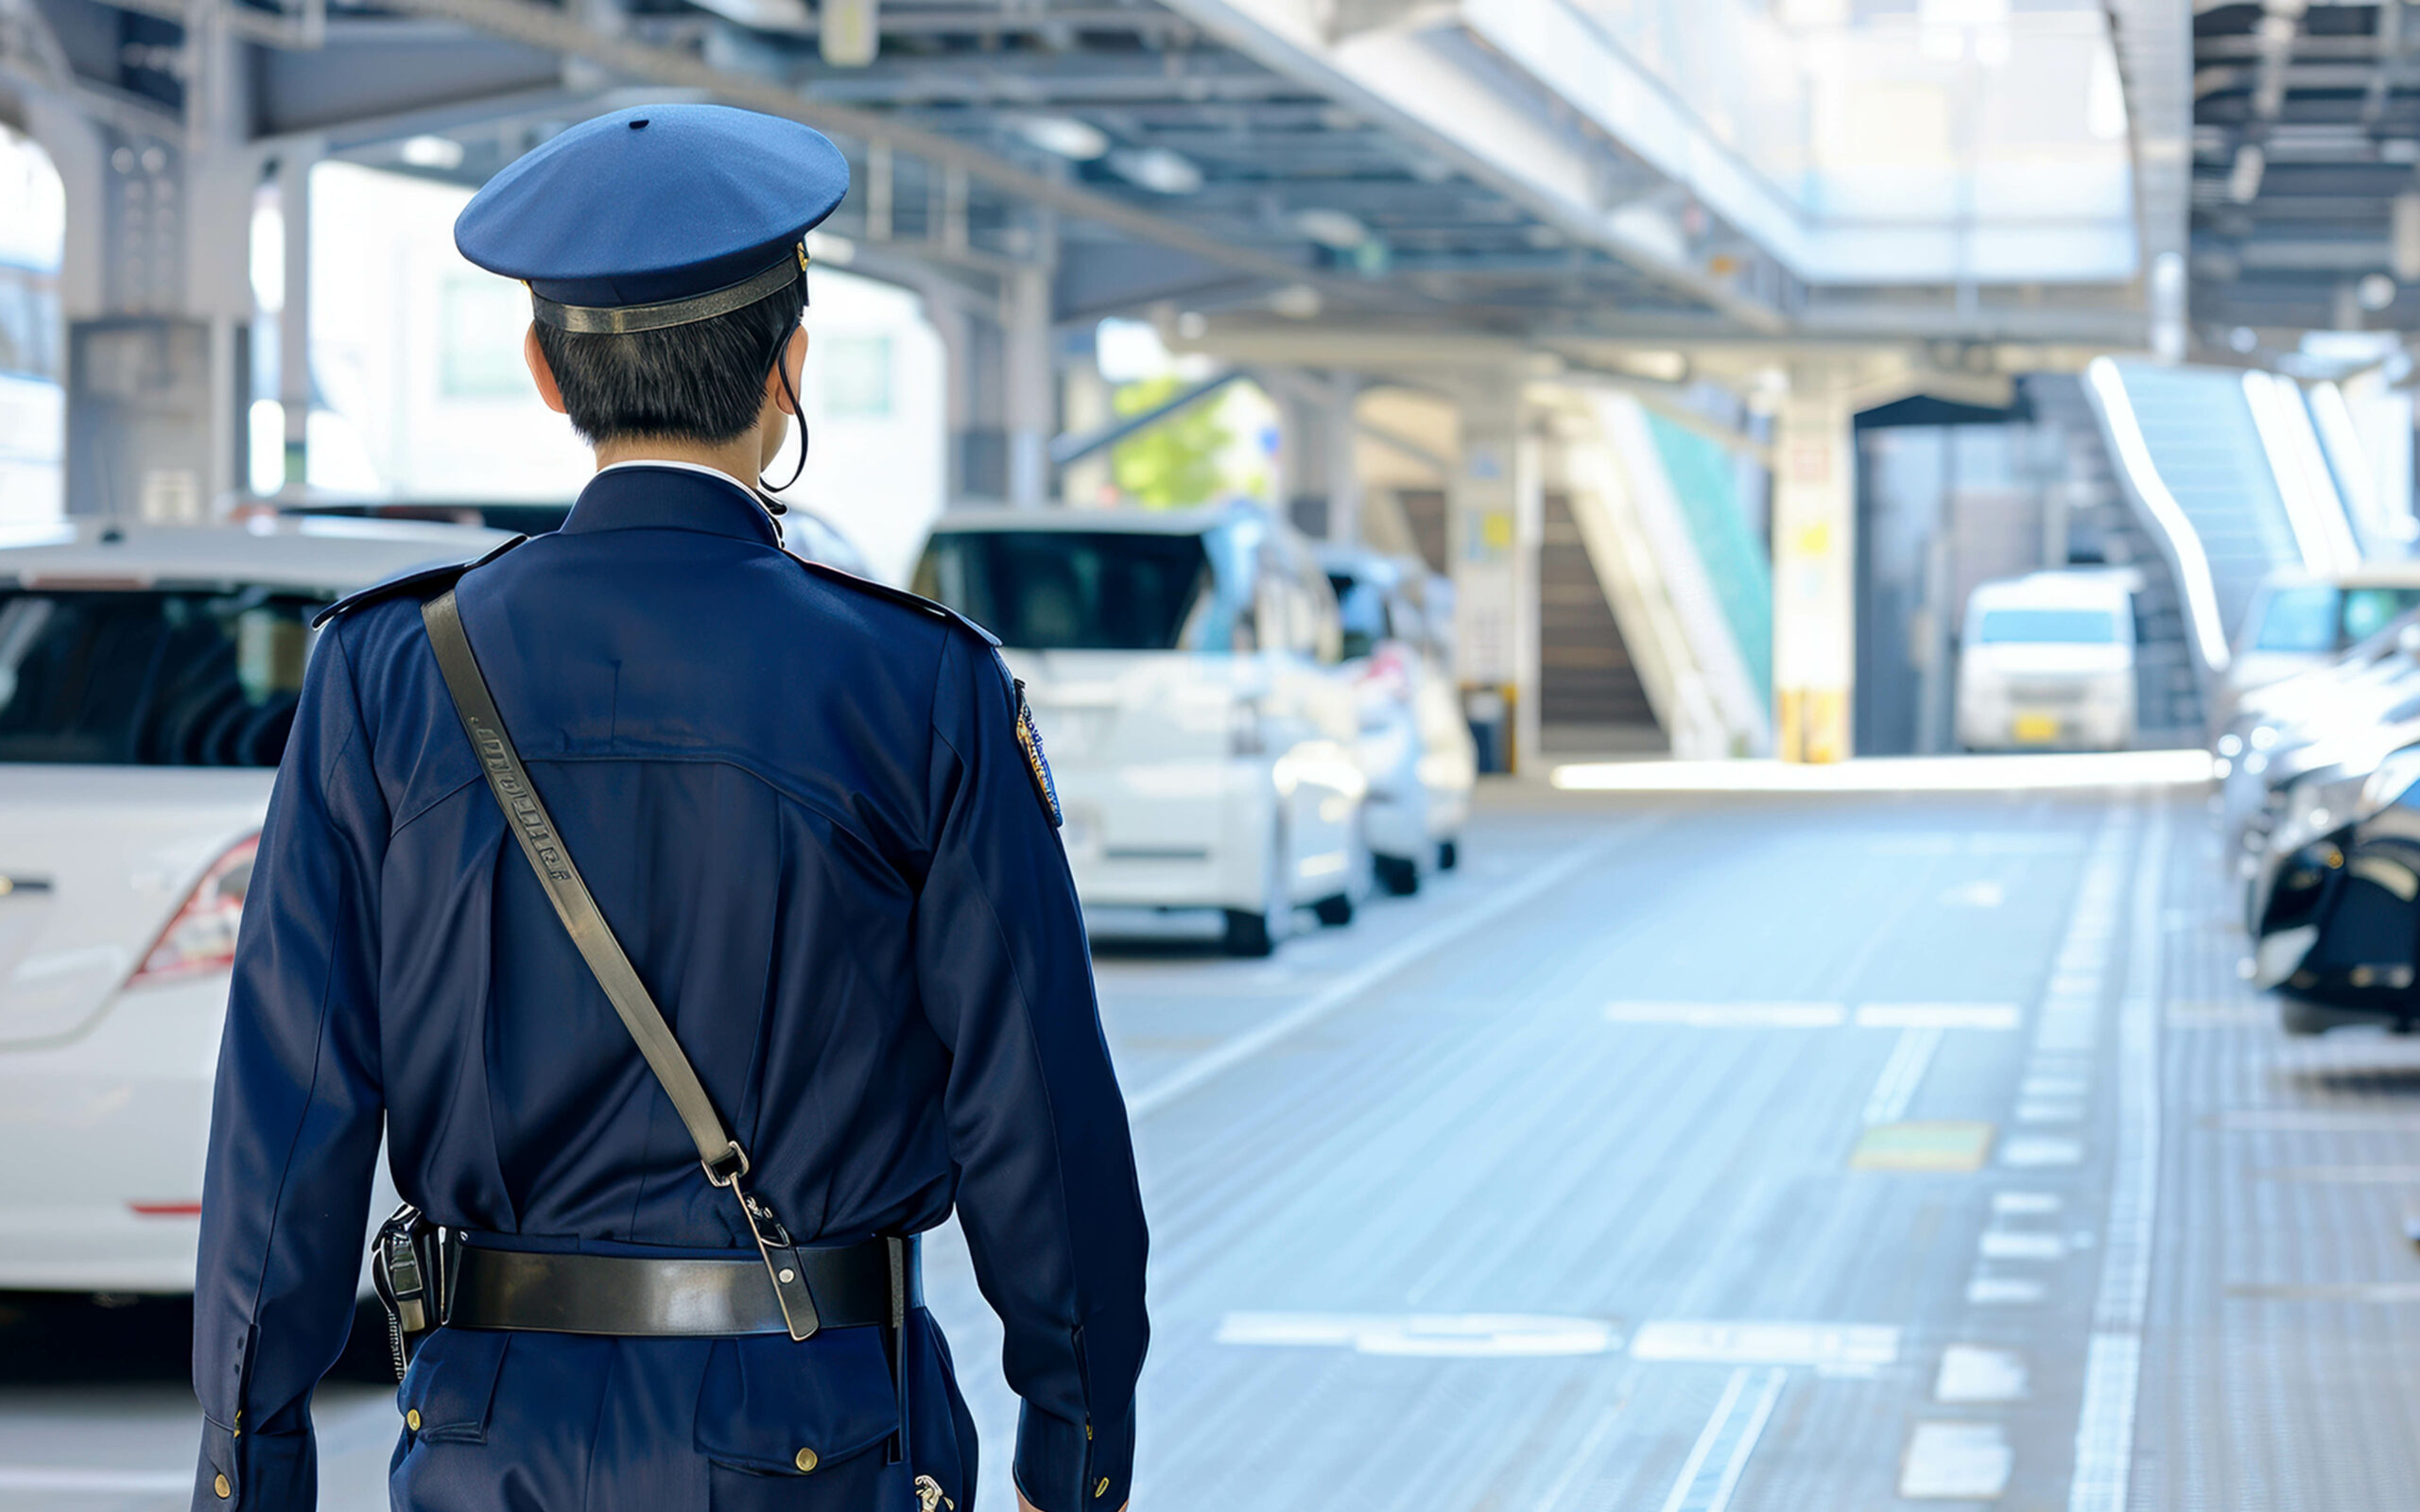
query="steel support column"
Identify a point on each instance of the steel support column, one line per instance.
(1028, 384)
(294, 316)
(1030, 369)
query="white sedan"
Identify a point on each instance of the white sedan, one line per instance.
(147, 679)
(1184, 669)
(1414, 747)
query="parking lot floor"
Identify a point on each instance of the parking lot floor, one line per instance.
(1681, 1153)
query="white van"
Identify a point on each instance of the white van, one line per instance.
(2047, 661)
(1184, 668)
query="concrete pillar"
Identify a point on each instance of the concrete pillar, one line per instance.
(1342, 446)
(1086, 404)
(1814, 569)
(294, 317)
(1318, 484)
(1493, 520)
(1304, 461)
(1029, 390)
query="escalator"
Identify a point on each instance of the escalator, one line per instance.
(2226, 476)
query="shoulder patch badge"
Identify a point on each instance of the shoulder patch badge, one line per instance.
(1036, 764)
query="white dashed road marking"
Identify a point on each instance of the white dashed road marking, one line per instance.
(2003, 1243)
(1939, 1016)
(1970, 1373)
(1820, 1345)
(1711, 1473)
(2003, 1291)
(2033, 1151)
(1956, 1462)
(1732, 1014)
(2113, 1364)
(1901, 1075)
(1464, 1335)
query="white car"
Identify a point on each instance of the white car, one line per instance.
(1182, 668)
(2046, 661)
(1415, 746)
(147, 679)
(2300, 619)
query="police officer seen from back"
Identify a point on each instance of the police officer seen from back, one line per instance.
(692, 923)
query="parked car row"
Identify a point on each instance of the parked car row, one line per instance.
(1237, 723)
(2318, 804)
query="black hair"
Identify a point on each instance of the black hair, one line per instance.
(700, 382)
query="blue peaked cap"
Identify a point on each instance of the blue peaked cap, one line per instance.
(657, 215)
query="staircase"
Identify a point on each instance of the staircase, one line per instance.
(2102, 528)
(1589, 695)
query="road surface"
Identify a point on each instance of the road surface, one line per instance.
(1681, 1153)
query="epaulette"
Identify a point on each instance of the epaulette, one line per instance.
(897, 596)
(423, 582)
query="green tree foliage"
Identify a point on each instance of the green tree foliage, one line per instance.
(1176, 462)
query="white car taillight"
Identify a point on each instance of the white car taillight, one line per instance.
(201, 937)
(1387, 672)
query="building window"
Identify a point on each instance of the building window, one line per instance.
(479, 338)
(857, 375)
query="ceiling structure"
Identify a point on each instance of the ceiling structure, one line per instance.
(1539, 171)
(1132, 150)
(2305, 193)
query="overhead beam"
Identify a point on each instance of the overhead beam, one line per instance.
(1284, 41)
(539, 25)
(1076, 446)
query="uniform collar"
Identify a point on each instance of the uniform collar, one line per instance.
(670, 496)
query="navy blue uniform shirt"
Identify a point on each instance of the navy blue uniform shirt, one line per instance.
(801, 806)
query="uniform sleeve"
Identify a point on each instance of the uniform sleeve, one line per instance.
(1047, 1188)
(295, 1124)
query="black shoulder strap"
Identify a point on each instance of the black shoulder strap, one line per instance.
(525, 816)
(418, 583)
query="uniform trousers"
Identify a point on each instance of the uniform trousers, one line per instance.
(552, 1422)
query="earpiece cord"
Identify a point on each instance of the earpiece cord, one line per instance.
(781, 370)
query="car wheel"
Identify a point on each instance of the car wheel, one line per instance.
(1336, 911)
(1449, 855)
(1249, 934)
(2301, 1019)
(1253, 934)
(1398, 875)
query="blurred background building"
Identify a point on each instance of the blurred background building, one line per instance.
(1715, 349)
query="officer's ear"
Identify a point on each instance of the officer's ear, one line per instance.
(794, 362)
(540, 373)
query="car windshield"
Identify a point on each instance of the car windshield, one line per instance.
(2321, 617)
(1362, 608)
(144, 678)
(2047, 626)
(2368, 611)
(2299, 619)
(1070, 590)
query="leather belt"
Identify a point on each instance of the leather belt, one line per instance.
(632, 1296)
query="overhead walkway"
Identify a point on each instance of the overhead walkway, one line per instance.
(2227, 472)
(1655, 504)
